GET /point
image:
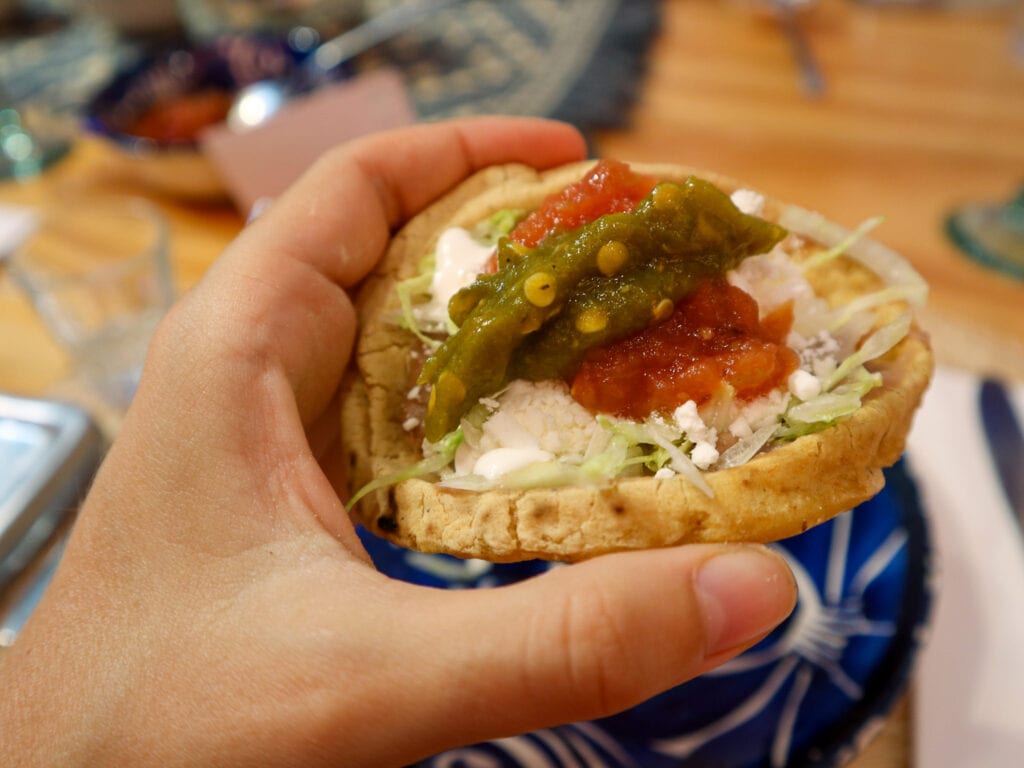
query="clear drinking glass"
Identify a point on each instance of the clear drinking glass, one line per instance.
(29, 141)
(98, 274)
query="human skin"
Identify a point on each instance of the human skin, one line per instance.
(214, 605)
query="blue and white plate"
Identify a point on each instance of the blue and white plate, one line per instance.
(810, 694)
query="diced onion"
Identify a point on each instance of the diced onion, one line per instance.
(744, 450)
(880, 259)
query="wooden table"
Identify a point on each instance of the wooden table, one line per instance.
(923, 110)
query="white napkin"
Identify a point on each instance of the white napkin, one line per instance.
(969, 696)
(16, 223)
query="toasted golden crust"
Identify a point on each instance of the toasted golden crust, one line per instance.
(777, 494)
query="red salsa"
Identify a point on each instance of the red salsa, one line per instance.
(714, 335)
(184, 117)
(611, 187)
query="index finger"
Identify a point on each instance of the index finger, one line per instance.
(276, 297)
(339, 216)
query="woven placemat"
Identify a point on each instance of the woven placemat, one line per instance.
(576, 60)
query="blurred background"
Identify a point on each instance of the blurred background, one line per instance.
(908, 109)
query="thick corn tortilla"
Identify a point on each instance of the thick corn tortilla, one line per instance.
(777, 494)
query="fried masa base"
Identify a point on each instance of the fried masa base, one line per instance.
(777, 494)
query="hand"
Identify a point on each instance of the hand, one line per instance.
(214, 605)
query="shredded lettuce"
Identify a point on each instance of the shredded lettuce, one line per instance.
(875, 345)
(893, 293)
(546, 474)
(844, 389)
(883, 261)
(412, 288)
(497, 226)
(842, 246)
(656, 433)
(440, 455)
(824, 410)
(466, 483)
(418, 287)
(631, 448)
(620, 454)
(408, 289)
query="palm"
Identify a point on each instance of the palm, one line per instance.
(214, 605)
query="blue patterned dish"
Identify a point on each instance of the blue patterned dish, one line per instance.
(224, 64)
(810, 694)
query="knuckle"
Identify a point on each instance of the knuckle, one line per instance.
(171, 334)
(187, 351)
(333, 159)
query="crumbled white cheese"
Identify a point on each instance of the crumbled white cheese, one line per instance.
(772, 279)
(824, 367)
(510, 428)
(414, 392)
(663, 473)
(703, 454)
(803, 385)
(410, 424)
(758, 413)
(703, 437)
(818, 354)
(532, 416)
(748, 201)
(740, 428)
(688, 419)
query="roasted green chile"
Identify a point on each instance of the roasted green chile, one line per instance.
(539, 314)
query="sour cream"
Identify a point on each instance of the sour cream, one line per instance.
(501, 461)
(459, 259)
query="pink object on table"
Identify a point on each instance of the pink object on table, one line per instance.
(261, 163)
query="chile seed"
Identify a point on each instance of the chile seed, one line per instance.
(611, 256)
(591, 321)
(663, 309)
(539, 289)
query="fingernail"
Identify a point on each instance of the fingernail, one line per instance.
(744, 593)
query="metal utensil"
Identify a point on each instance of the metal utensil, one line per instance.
(1005, 442)
(787, 13)
(257, 102)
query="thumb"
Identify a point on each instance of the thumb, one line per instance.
(592, 639)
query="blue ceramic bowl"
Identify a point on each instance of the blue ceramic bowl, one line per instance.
(810, 694)
(174, 82)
